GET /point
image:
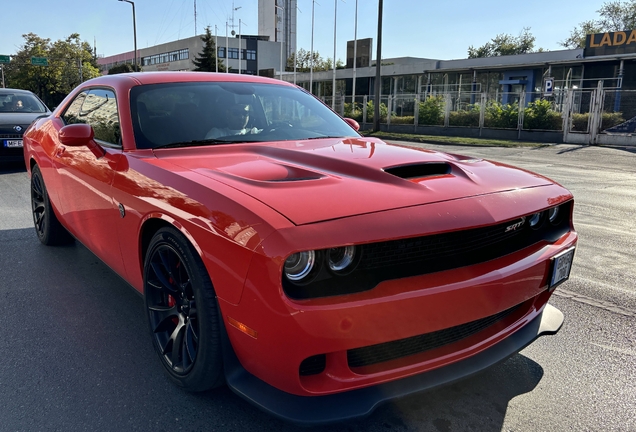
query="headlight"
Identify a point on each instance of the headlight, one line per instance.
(299, 265)
(534, 220)
(340, 259)
(553, 214)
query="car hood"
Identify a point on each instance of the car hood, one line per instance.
(318, 180)
(22, 119)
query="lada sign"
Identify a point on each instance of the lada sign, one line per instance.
(610, 43)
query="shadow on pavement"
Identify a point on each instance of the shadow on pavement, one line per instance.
(77, 355)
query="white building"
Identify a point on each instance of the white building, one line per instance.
(277, 19)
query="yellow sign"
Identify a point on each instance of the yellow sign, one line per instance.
(620, 42)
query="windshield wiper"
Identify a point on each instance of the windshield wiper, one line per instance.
(324, 137)
(198, 143)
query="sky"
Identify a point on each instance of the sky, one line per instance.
(416, 28)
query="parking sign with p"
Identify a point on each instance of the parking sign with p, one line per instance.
(548, 87)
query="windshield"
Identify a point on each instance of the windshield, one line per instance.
(177, 114)
(20, 103)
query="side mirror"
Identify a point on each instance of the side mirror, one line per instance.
(354, 124)
(78, 135)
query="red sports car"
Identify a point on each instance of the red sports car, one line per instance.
(315, 271)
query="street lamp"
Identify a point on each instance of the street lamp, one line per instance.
(355, 58)
(281, 40)
(134, 29)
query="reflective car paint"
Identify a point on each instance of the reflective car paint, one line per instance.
(246, 207)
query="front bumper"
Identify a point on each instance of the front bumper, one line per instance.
(315, 410)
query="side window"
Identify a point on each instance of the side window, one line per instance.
(100, 111)
(72, 113)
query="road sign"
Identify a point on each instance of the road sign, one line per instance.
(39, 61)
(5, 59)
(548, 88)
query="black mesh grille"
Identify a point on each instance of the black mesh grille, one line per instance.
(10, 136)
(459, 245)
(402, 258)
(379, 353)
(313, 365)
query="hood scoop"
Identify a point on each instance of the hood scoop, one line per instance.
(421, 170)
(259, 170)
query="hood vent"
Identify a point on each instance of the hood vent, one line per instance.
(419, 170)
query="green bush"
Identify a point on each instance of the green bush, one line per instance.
(468, 117)
(384, 111)
(611, 120)
(408, 120)
(353, 111)
(501, 116)
(580, 121)
(431, 111)
(540, 115)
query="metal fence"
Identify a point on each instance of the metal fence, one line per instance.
(611, 111)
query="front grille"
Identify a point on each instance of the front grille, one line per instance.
(443, 251)
(395, 259)
(383, 352)
(10, 136)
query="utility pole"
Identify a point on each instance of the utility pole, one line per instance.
(333, 83)
(216, 44)
(378, 77)
(311, 55)
(280, 37)
(195, 17)
(355, 59)
(240, 57)
(227, 50)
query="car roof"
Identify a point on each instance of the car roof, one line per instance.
(14, 91)
(142, 78)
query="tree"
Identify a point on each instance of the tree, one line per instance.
(506, 44)
(206, 60)
(124, 68)
(578, 34)
(614, 16)
(304, 62)
(70, 62)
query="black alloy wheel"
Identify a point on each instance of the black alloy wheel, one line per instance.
(182, 312)
(48, 228)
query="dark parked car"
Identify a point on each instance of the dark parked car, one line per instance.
(18, 109)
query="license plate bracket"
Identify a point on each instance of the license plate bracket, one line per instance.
(561, 266)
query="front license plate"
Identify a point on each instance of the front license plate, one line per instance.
(13, 143)
(561, 265)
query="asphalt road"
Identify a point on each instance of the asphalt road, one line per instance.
(75, 353)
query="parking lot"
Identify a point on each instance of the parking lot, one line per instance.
(76, 354)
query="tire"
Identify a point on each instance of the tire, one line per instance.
(48, 228)
(182, 312)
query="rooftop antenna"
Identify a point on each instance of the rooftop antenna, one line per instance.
(195, 17)
(232, 18)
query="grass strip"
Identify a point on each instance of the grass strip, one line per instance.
(435, 139)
